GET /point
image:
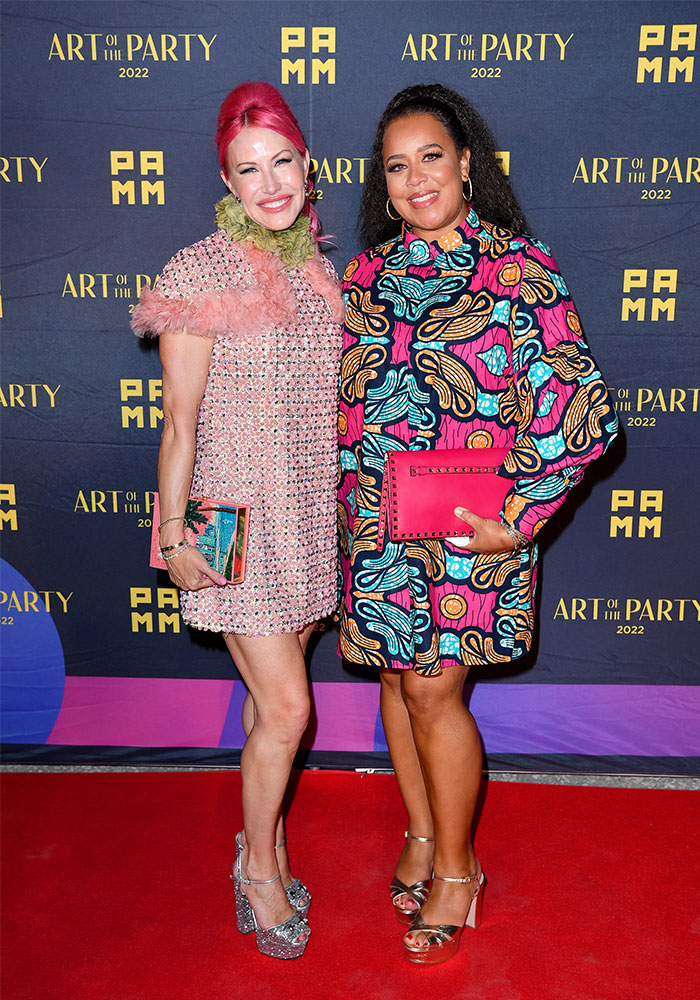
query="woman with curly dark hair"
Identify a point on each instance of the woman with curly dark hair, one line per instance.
(492, 196)
(459, 334)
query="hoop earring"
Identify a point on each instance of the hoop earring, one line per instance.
(394, 218)
(471, 192)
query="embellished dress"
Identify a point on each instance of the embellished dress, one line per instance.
(471, 341)
(266, 433)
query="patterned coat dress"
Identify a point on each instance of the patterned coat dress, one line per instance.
(470, 341)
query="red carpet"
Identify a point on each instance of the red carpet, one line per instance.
(116, 887)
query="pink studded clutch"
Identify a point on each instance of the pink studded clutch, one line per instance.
(422, 488)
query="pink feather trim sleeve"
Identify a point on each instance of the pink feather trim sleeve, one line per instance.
(243, 308)
(225, 312)
(157, 313)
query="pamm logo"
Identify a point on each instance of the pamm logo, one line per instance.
(666, 53)
(306, 54)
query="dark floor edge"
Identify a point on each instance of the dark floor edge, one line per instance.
(579, 767)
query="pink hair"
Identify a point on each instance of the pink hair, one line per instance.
(261, 105)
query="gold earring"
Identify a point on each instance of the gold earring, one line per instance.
(394, 218)
(310, 191)
(471, 192)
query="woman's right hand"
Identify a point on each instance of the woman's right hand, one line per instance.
(189, 570)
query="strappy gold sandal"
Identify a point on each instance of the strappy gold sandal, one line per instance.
(441, 941)
(417, 891)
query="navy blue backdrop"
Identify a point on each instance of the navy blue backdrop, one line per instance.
(108, 167)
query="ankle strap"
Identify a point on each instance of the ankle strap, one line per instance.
(467, 878)
(239, 876)
(255, 881)
(412, 836)
(278, 846)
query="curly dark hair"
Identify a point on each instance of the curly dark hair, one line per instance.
(493, 198)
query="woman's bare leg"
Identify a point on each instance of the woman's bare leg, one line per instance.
(449, 749)
(416, 858)
(274, 672)
(248, 720)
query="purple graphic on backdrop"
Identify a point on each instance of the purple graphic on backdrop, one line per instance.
(33, 670)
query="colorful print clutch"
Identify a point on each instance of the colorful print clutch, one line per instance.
(422, 488)
(219, 529)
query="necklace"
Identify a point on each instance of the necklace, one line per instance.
(295, 245)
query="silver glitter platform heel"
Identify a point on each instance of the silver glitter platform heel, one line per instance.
(298, 895)
(278, 941)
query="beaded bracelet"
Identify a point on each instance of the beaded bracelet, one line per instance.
(180, 548)
(168, 519)
(520, 541)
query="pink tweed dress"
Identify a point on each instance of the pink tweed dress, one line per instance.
(266, 433)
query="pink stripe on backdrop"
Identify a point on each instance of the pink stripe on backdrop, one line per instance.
(346, 716)
(513, 718)
(169, 712)
(141, 712)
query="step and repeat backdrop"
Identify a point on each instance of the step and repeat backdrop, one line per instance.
(108, 167)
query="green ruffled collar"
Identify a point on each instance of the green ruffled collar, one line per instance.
(295, 245)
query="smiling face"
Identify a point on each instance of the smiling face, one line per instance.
(424, 174)
(267, 175)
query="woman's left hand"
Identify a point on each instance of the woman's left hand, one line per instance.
(489, 535)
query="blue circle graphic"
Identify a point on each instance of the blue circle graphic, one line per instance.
(33, 671)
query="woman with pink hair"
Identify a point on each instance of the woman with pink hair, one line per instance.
(248, 320)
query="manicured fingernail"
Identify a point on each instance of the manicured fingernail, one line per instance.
(459, 511)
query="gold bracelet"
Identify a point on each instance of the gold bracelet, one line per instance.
(169, 548)
(168, 519)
